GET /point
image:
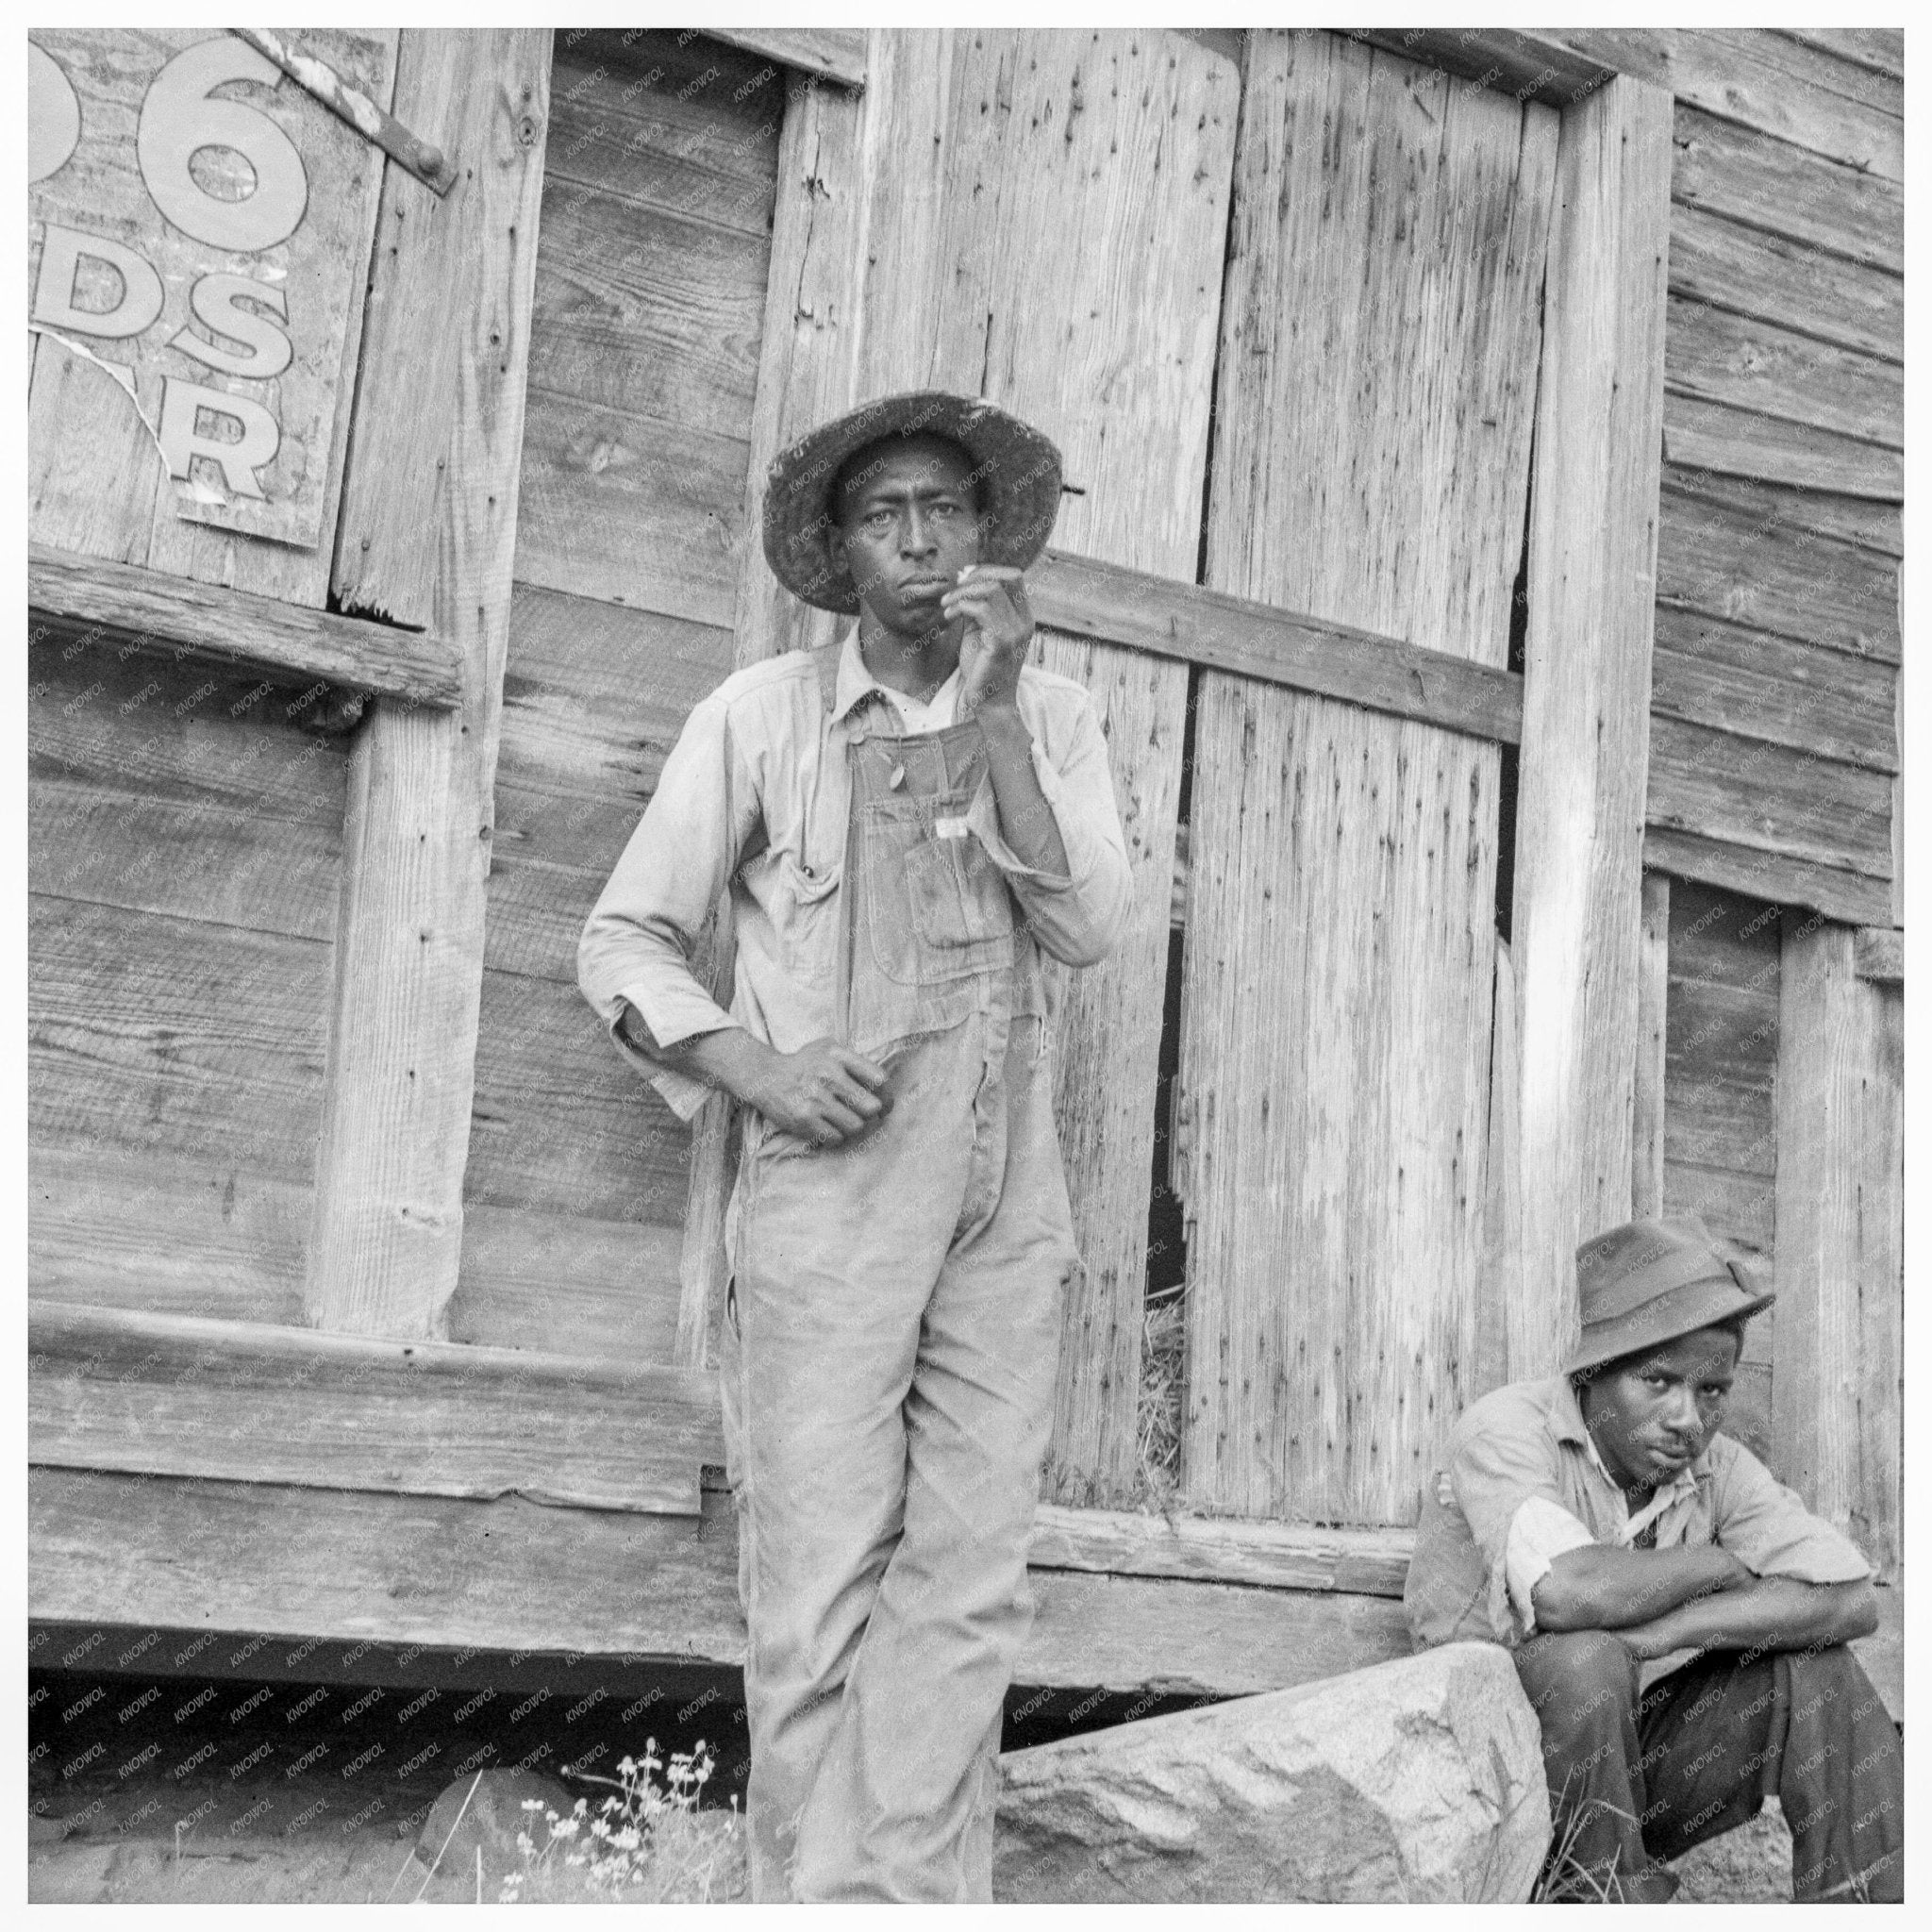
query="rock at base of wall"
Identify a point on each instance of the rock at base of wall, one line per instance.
(1420, 1779)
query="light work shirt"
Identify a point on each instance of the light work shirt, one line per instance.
(755, 798)
(1522, 1482)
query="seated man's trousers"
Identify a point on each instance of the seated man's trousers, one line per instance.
(1638, 1778)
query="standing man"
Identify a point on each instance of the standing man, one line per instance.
(1598, 1521)
(905, 820)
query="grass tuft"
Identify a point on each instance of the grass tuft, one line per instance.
(1158, 1426)
(648, 1844)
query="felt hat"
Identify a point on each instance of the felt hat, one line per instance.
(1648, 1282)
(1018, 471)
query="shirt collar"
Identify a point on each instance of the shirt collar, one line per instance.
(856, 684)
(1567, 1426)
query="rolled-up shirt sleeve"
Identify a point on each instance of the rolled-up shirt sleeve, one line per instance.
(637, 943)
(1540, 1532)
(1493, 1473)
(1768, 1528)
(1076, 919)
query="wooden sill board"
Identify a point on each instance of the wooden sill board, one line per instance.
(152, 612)
(1274, 1555)
(182, 1395)
(152, 1574)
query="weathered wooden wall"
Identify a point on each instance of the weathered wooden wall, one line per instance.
(184, 838)
(187, 831)
(1720, 1154)
(651, 278)
(1774, 753)
(184, 849)
(1383, 284)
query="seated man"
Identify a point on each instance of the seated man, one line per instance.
(1596, 1521)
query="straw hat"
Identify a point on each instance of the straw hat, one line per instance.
(1018, 471)
(1648, 1282)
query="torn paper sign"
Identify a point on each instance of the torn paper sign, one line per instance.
(199, 229)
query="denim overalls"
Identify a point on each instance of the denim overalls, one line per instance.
(892, 1332)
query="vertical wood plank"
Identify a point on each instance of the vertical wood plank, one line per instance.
(1647, 1082)
(1376, 390)
(1503, 1209)
(427, 533)
(1836, 1395)
(1593, 568)
(807, 357)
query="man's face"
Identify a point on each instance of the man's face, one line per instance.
(904, 527)
(1653, 1413)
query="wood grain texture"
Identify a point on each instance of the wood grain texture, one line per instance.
(1717, 357)
(1719, 435)
(160, 788)
(1752, 565)
(1800, 513)
(1836, 1391)
(1020, 180)
(1793, 803)
(835, 52)
(1753, 686)
(1648, 1085)
(1523, 65)
(169, 1233)
(1852, 897)
(1117, 1543)
(604, 1291)
(1878, 952)
(1338, 968)
(165, 1035)
(1743, 270)
(1720, 1058)
(184, 844)
(1769, 184)
(561, 1123)
(511, 1574)
(1499, 1307)
(429, 526)
(627, 508)
(245, 1401)
(1818, 66)
(168, 617)
(1577, 920)
(1734, 76)
(652, 284)
(1085, 598)
(1880, 48)
(645, 309)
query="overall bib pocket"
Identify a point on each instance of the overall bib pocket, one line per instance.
(942, 908)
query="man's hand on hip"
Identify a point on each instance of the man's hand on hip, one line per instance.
(823, 1092)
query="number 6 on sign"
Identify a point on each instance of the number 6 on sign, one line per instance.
(178, 120)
